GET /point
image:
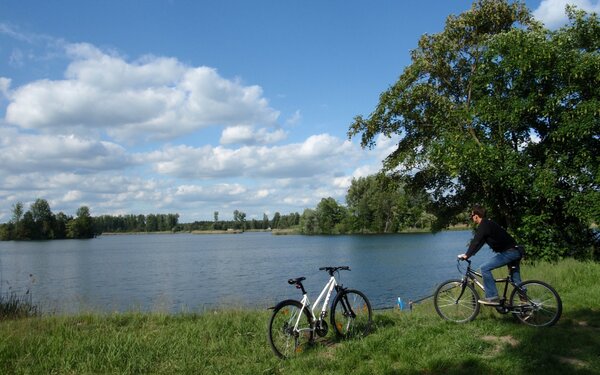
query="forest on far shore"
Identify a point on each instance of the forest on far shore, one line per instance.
(374, 204)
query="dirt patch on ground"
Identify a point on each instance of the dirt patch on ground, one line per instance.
(573, 361)
(499, 342)
(329, 344)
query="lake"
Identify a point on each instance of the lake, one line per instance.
(195, 273)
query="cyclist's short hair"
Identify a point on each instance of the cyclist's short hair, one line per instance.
(478, 210)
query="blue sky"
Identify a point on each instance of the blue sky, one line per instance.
(192, 107)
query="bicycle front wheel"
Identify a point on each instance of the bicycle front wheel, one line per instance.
(351, 314)
(287, 341)
(456, 301)
(536, 303)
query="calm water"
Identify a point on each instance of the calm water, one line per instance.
(187, 272)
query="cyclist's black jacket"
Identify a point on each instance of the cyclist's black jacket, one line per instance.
(494, 235)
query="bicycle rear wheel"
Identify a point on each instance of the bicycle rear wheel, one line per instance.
(285, 341)
(351, 314)
(456, 302)
(538, 306)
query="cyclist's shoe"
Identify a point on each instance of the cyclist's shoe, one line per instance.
(523, 299)
(493, 301)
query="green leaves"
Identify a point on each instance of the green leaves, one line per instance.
(497, 110)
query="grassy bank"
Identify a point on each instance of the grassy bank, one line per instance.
(234, 342)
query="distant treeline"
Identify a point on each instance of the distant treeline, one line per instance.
(40, 223)
(374, 204)
(136, 223)
(170, 222)
(240, 222)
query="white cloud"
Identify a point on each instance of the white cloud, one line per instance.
(15, 33)
(365, 171)
(209, 193)
(72, 196)
(386, 145)
(21, 153)
(98, 69)
(247, 135)
(159, 98)
(61, 140)
(317, 155)
(5, 86)
(342, 182)
(294, 119)
(552, 12)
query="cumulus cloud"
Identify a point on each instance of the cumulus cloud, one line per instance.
(209, 193)
(27, 153)
(247, 135)
(317, 154)
(104, 192)
(552, 12)
(152, 98)
(72, 142)
(73, 196)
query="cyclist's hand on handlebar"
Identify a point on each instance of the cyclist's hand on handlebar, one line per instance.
(462, 256)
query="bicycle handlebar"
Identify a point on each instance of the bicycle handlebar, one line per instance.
(463, 260)
(331, 270)
(340, 268)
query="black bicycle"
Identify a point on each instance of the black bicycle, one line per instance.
(533, 302)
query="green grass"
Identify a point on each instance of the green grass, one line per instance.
(234, 342)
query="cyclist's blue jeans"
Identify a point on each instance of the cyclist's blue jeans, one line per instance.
(499, 260)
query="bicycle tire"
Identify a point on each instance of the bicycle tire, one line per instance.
(450, 307)
(542, 306)
(284, 342)
(351, 314)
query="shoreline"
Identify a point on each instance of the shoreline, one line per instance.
(283, 232)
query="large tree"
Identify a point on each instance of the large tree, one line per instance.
(497, 110)
(16, 220)
(330, 216)
(379, 204)
(43, 219)
(82, 226)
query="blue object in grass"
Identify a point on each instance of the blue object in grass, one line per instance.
(400, 304)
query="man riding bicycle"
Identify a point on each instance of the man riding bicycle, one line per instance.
(502, 244)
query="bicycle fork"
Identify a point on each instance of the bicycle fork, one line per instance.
(463, 286)
(346, 305)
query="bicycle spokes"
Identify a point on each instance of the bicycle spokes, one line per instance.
(456, 301)
(539, 306)
(290, 329)
(351, 314)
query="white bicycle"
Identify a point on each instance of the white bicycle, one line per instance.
(293, 323)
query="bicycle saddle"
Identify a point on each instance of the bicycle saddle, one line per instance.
(296, 280)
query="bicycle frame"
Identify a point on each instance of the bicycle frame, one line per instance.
(296, 323)
(475, 277)
(325, 295)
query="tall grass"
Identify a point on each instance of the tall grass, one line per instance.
(234, 341)
(15, 306)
